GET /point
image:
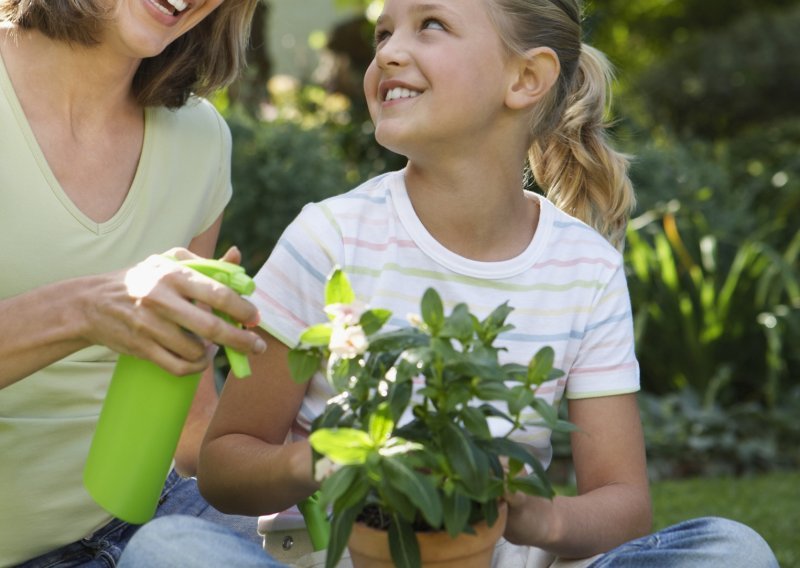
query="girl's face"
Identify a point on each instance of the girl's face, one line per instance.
(439, 75)
(144, 28)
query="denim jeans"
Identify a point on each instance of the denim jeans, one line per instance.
(708, 542)
(103, 548)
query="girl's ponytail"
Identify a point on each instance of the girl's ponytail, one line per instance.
(575, 165)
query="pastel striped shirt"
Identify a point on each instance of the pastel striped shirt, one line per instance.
(568, 290)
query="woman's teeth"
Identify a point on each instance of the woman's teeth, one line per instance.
(400, 93)
(170, 7)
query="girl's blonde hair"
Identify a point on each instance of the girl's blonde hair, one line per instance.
(201, 61)
(570, 155)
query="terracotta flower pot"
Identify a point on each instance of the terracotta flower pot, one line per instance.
(369, 548)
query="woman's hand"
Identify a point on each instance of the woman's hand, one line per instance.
(158, 310)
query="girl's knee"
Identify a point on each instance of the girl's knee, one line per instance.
(742, 544)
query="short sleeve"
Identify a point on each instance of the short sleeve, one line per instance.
(290, 285)
(606, 363)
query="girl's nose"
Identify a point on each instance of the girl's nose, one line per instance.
(392, 51)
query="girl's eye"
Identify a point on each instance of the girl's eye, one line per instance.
(432, 24)
(381, 35)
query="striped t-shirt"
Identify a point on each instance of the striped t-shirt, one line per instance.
(568, 290)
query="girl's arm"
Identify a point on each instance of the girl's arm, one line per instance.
(245, 468)
(205, 399)
(613, 502)
(145, 311)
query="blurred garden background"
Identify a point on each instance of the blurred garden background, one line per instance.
(707, 101)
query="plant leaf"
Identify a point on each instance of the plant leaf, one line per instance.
(341, 527)
(381, 424)
(317, 335)
(417, 487)
(432, 311)
(373, 320)
(540, 365)
(337, 484)
(403, 544)
(338, 289)
(466, 459)
(303, 364)
(456, 509)
(458, 324)
(345, 446)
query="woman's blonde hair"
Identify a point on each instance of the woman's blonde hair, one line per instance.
(570, 156)
(206, 58)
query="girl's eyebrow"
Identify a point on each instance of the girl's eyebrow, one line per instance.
(419, 9)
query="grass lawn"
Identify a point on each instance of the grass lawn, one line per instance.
(770, 504)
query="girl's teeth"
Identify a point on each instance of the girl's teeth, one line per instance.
(400, 93)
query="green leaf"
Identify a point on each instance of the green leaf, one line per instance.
(303, 364)
(403, 544)
(345, 446)
(432, 311)
(456, 509)
(341, 527)
(317, 335)
(523, 397)
(540, 366)
(475, 421)
(494, 390)
(546, 410)
(373, 320)
(532, 485)
(338, 289)
(465, 458)
(337, 484)
(459, 324)
(417, 487)
(381, 424)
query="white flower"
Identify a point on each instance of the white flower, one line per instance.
(324, 468)
(415, 320)
(346, 314)
(348, 342)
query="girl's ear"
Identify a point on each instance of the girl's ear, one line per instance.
(535, 74)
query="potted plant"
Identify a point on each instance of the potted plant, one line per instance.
(406, 446)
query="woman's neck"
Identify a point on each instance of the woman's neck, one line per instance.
(73, 82)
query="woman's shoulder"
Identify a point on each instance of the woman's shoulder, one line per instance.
(197, 118)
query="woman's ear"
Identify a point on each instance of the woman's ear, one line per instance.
(535, 74)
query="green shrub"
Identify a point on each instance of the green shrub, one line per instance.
(277, 168)
(702, 320)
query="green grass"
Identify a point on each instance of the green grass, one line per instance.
(770, 504)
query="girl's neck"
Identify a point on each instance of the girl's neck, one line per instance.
(477, 210)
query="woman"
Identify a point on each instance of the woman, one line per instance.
(107, 157)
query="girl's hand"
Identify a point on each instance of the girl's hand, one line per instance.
(529, 519)
(158, 310)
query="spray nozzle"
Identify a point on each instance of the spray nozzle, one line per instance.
(234, 277)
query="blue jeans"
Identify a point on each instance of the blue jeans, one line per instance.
(708, 542)
(104, 547)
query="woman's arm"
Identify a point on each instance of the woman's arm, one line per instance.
(613, 502)
(245, 467)
(144, 311)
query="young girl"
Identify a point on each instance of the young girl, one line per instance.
(468, 90)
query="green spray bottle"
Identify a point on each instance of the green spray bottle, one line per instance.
(143, 416)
